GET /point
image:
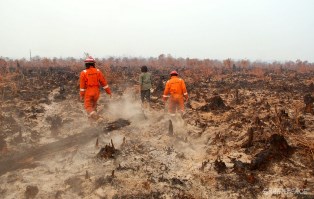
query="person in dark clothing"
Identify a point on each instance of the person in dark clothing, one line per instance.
(145, 84)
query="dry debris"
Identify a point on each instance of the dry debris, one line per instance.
(107, 152)
(257, 144)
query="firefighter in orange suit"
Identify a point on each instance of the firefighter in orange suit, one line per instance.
(175, 90)
(90, 81)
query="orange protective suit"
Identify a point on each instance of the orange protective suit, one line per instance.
(90, 81)
(176, 90)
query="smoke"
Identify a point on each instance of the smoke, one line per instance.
(128, 107)
(125, 107)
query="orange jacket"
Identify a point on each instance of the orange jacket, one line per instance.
(175, 88)
(92, 77)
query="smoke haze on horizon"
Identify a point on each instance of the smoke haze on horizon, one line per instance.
(216, 29)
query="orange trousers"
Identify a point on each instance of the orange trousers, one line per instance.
(176, 103)
(90, 99)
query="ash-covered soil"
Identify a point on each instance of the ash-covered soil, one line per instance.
(241, 137)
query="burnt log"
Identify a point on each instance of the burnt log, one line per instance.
(239, 166)
(213, 104)
(277, 150)
(116, 125)
(13, 162)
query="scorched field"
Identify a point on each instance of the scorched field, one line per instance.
(248, 132)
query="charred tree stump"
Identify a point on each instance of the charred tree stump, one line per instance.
(278, 144)
(237, 99)
(87, 175)
(31, 192)
(278, 149)
(204, 165)
(220, 166)
(97, 143)
(215, 103)
(308, 101)
(170, 130)
(258, 122)
(107, 152)
(248, 143)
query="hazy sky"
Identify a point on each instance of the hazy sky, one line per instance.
(216, 29)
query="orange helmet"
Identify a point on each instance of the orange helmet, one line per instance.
(89, 59)
(174, 73)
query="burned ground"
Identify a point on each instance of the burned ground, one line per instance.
(241, 136)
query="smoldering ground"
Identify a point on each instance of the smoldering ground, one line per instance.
(65, 163)
(148, 161)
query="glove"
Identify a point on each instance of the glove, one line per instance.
(164, 99)
(186, 97)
